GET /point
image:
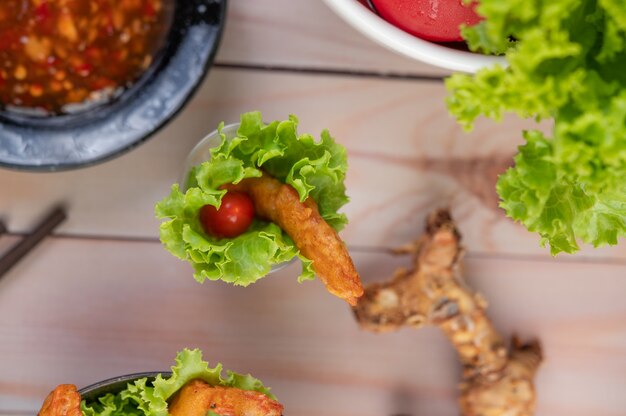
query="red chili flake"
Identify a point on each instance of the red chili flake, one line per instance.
(42, 12)
(8, 39)
(83, 69)
(119, 55)
(93, 53)
(102, 83)
(108, 27)
(44, 18)
(148, 9)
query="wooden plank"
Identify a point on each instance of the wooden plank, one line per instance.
(305, 34)
(84, 310)
(406, 158)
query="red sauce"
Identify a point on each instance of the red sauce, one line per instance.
(59, 52)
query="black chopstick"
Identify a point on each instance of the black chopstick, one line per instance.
(30, 241)
(3, 228)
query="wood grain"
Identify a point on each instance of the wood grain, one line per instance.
(406, 158)
(82, 310)
(305, 34)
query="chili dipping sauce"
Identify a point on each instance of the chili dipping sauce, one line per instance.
(58, 56)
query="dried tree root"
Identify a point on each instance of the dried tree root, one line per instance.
(316, 240)
(512, 393)
(62, 401)
(495, 382)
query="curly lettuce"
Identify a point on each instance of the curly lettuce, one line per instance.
(143, 398)
(315, 169)
(566, 63)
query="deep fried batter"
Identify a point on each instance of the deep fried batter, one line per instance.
(62, 401)
(316, 240)
(196, 398)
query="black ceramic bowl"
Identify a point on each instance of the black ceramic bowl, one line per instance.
(75, 140)
(116, 384)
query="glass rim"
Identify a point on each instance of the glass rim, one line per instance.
(188, 163)
(209, 137)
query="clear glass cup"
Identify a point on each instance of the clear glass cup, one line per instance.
(201, 152)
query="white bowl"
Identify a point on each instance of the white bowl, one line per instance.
(376, 28)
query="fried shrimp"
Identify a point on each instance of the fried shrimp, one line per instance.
(197, 398)
(316, 240)
(62, 401)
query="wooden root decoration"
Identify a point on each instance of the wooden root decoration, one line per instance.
(496, 381)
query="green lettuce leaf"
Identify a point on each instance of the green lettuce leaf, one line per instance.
(141, 398)
(315, 169)
(112, 405)
(566, 63)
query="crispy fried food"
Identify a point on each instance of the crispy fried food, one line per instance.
(196, 398)
(316, 240)
(62, 401)
(495, 381)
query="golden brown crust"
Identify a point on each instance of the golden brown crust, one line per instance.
(196, 398)
(316, 240)
(62, 401)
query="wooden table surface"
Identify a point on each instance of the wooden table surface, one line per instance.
(102, 297)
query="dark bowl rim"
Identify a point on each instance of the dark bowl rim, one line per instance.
(62, 167)
(119, 379)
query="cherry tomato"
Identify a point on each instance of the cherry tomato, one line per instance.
(232, 219)
(434, 20)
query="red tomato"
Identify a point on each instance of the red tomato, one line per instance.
(232, 219)
(434, 20)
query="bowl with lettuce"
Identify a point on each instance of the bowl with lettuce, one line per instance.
(191, 388)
